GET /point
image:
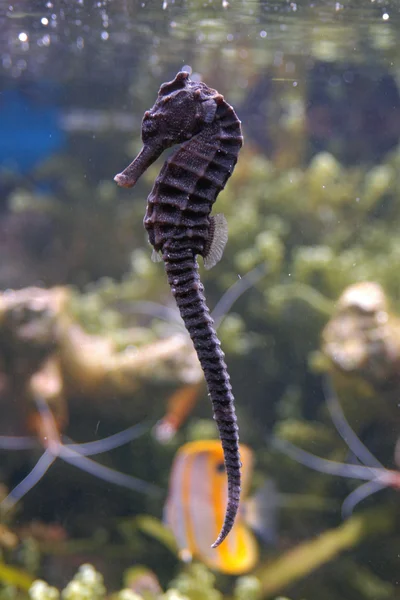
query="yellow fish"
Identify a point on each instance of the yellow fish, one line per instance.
(195, 508)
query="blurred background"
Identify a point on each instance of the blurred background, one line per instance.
(92, 348)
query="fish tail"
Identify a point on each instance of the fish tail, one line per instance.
(183, 277)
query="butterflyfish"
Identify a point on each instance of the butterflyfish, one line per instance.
(195, 508)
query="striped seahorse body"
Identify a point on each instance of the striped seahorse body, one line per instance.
(180, 226)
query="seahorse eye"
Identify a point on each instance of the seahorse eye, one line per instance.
(149, 127)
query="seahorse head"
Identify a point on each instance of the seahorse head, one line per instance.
(182, 109)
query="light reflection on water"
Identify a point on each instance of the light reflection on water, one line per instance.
(109, 40)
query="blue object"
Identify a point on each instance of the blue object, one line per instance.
(30, 129)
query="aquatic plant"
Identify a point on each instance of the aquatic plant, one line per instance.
(302, 559)
(196, 583)
(87, 584)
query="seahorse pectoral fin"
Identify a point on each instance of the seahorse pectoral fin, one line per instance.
(218, 236)
(156, 256)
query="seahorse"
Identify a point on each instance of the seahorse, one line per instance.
(180, 226)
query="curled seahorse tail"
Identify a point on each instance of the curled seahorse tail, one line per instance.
(183, 277)
(230, 444)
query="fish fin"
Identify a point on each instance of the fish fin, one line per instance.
(156, 256)
(216, 242)
(260, 512)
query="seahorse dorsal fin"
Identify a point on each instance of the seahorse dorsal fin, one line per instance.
(156, 256)
(217, 239)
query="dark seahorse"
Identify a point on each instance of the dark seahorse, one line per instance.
(180, 226)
